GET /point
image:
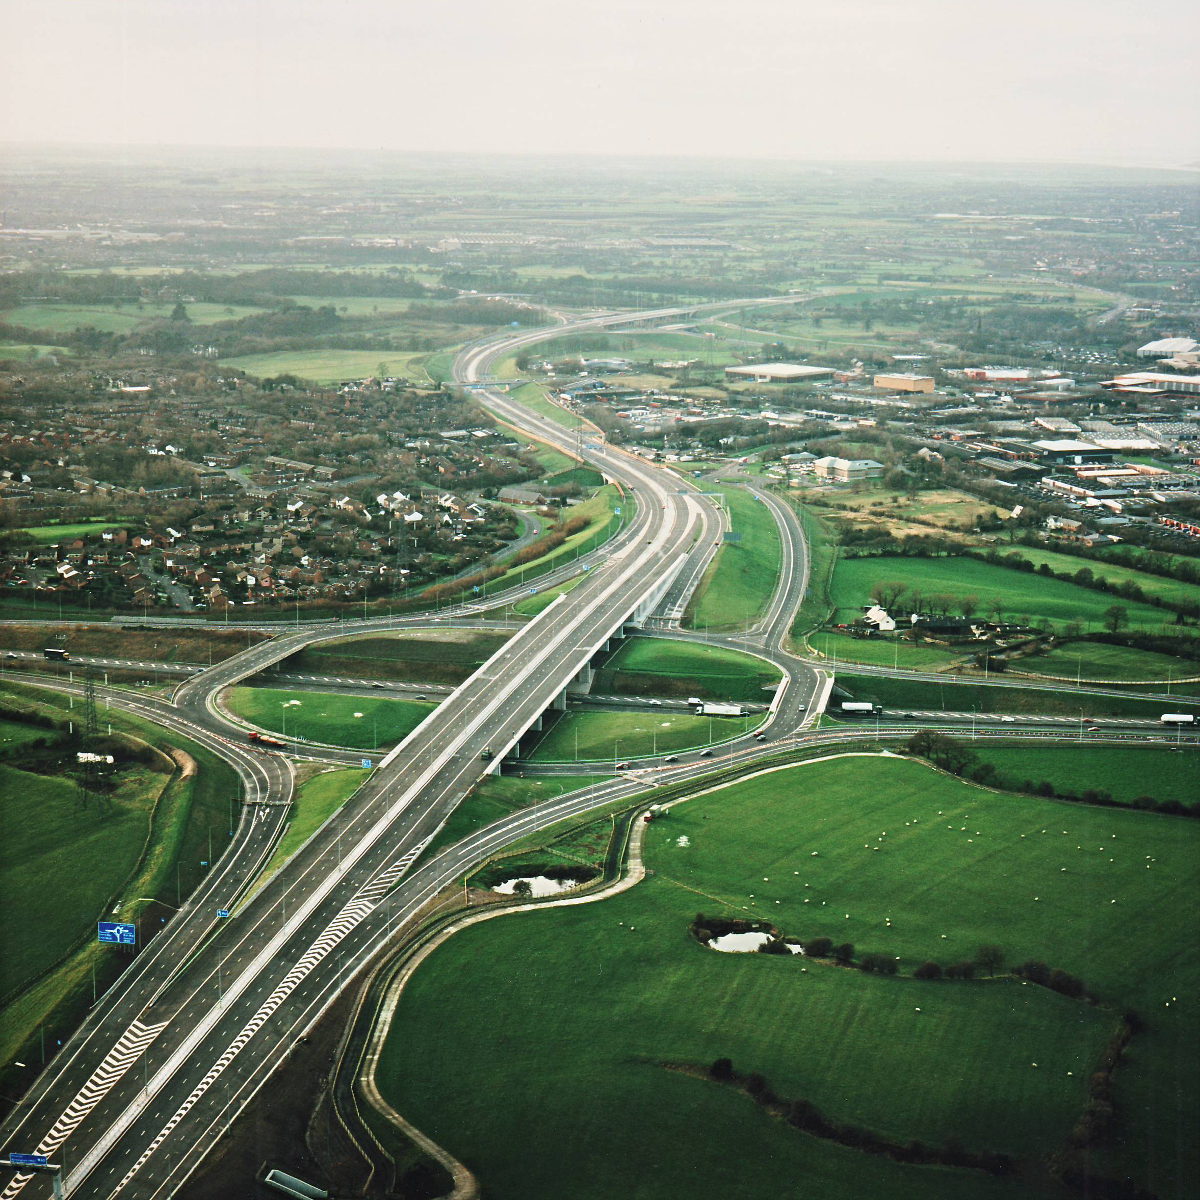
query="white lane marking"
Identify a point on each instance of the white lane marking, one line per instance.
(131, 1045)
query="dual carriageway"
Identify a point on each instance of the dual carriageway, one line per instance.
(210, 1008)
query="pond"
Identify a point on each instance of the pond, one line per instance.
(745, 943)
(539, 885)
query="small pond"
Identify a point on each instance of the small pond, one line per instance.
(539, 885)
(745, 943)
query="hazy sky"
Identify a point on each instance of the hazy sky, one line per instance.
(1099, 81)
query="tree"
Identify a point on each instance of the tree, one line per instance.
(844, 953)
(928, 970)
(179, 312)
(1115, 617)
(989, 958)
(818, 947)
(522, 888)
(961, 970)
(721, 1069)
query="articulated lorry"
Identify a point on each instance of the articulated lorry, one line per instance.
(1177, 719)
(707, 708)
(860, 708)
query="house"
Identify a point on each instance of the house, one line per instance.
(847, 470)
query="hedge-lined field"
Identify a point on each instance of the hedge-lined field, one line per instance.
(882, 853)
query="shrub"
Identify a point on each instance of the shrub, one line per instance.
(819, 947)
(928, 970)
(961, 970)
(721, 1069)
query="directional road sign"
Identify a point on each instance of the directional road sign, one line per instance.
(28, 1160)
(366, 762)
(116, 932)
(222, 912)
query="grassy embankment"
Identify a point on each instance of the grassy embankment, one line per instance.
(153, 843)
(446, 656)
(1097, 660)
(361, 722)
(739, 582)
(611, 993)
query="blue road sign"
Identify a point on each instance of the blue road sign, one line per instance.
(587, 566)
(116, 932)
(28, 1160)
(366, 762)
(617, 510)
(222, 912)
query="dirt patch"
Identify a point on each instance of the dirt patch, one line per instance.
(184, 761)
(287, 1126)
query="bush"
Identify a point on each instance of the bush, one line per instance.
(928, 970)
(844, 953)
(819, 947)
(961, 970)
(878, 964)
(721, 1069)
(1035, 972)
(1066, 984)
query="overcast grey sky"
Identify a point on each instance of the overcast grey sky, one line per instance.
(1095, 81)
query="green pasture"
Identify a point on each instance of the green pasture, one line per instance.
(151, 843)
(586, 736)
(609, 993)
(740, 581)
(1096, 660)
(881, 651)
(1153, 585)
(954, 693)
(1125, 772)
(645, 666)
(533, 397)
(113, 318)
(327, 366)
(1014, 595)
(328, 717)
(23, 351)
(55, 832)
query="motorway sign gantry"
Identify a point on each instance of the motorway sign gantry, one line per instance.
(28, 1160)
(116, 933)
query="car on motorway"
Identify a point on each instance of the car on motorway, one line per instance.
(706, 754)
(656, 703)
(377, 685)
(624, 766)
(1093, 729)
(671, 758)
(760, 737)
(1008, 720)
(421, 696)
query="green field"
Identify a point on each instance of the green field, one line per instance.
(1096, 660)
(152, 844)
(739, 583)
(327, 366)
(55, 832)
(608, 993)
(1014, 595)
(1126, 772)
(881, 652)
(111, 318)
(433, 656)
(958, 695)
(46, 535)
(532, 605)
(327, 717)
(601, 737)
(645, 666)
(1152, 585)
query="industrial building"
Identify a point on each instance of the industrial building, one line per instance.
(847, 470)
(1154, 382)
(780, 373)
(1168, 347)
(904, 381)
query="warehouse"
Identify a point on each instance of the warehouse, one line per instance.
(780, 373)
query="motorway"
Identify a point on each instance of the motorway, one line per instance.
(211, 1007)
(131, 1105)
